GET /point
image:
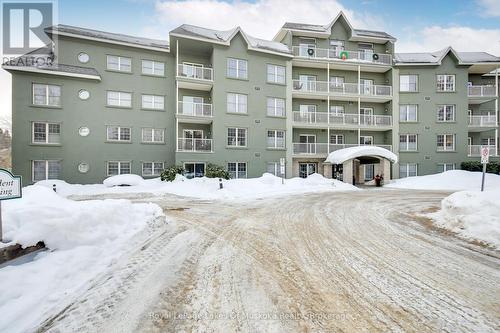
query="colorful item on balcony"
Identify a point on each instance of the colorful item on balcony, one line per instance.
(344, 55)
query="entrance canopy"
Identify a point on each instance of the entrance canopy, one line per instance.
(342, 155)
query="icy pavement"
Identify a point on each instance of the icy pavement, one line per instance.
(338, 261)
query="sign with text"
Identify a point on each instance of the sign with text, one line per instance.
(485, 155)
(10, 185)
(282, 166)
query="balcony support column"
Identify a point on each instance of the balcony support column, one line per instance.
(328, 109)
(496, 111)
(177, 97)
(359, 121)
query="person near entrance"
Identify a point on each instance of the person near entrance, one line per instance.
(378, 180)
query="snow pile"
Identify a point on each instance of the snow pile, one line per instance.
(472, 214)
(123, 180)
(83, 237)
(208, 188)
(454, 180)
(345, 154)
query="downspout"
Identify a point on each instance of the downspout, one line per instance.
(496, 111)
(359, 105)
(177, 96)
(328, 109)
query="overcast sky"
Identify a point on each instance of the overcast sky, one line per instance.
(472, 25)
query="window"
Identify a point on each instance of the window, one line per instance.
(46, 94)
(152, 168)
(118, 168)
(408, 83)
(446, 113)
(236, 103)
(48, 133)
(237, 169)
(275, 139)
(408, 142)
(488, 141)
(153, 135)
(150, 67)
(337, 46)
(43, 169)
(119, 98)
(274, 168)
(153, 102)
(407, 170)
(337, 139)
(445, 82)
(194, 170)
(446, 142)
(366, 140)
(237, 137)
(118, 133)
(442, 167)
(237, 68)
(336, 110)
(305, 44)
(275, 74)
(408, 113)
(116, 63)
(275, 107)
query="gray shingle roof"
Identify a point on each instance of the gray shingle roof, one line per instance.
(435, 57)
(472, 57)
(225, 36)
(324, 28)
(84, 32)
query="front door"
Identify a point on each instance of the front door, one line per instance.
(192, 138)
(366, 86)
(306, 169)
(369, 171)
(366, 115)
(308, 143)
(308, 113)
(192, 105)
(307, 82)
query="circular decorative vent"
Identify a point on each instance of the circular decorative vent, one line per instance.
(83, 57)
(84, 94)
(83, 167)
(84, 131)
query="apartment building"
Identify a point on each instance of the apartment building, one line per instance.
(116, 104)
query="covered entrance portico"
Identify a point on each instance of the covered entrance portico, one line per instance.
(359, 165)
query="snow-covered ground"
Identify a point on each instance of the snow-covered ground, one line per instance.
(83, 238)
(206, 188)
(454, 180)
(472, 214)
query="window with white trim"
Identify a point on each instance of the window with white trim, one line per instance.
(237, 137)
(366, 140)
(276, 74)
(275, 139)
(45, 169)
(154, 102)
(237, 68)
(446, 142)
(118, 168)
(237, 103)
(152, 168)
(150, 67)
(118, 133)
(408, 83)
(274, 168)
(275, 107)
(48, 133)
(336, 139)
(442, 167)
(445, 82)
(46, 94)
(119, 98)
(408, 142)
(408, 170)
(153, 135)
(446, 113)
(408, 113)
(117, 63)
(237, 170)
(336, 110)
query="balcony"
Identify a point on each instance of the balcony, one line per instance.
(194, 145)
(195, 77)
(191, 112)
(475, 150)
(481, 94)
(323, 149)
(483, 122)
(343, 58)
(325, 119)
(341, 91)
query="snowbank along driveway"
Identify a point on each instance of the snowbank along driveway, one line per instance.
(324, 262)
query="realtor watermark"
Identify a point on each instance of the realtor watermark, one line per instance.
(26, 34)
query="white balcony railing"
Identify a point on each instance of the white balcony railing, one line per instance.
(323, 87)
(194, 145)
(483, 121)
(367, 56)
(481, 91)
(324, 148)
(325, 118)
(195, 72)
(475, 150)
(194, 109)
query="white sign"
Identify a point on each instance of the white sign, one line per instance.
(485, 155)
(10, 185)
(282, 166)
